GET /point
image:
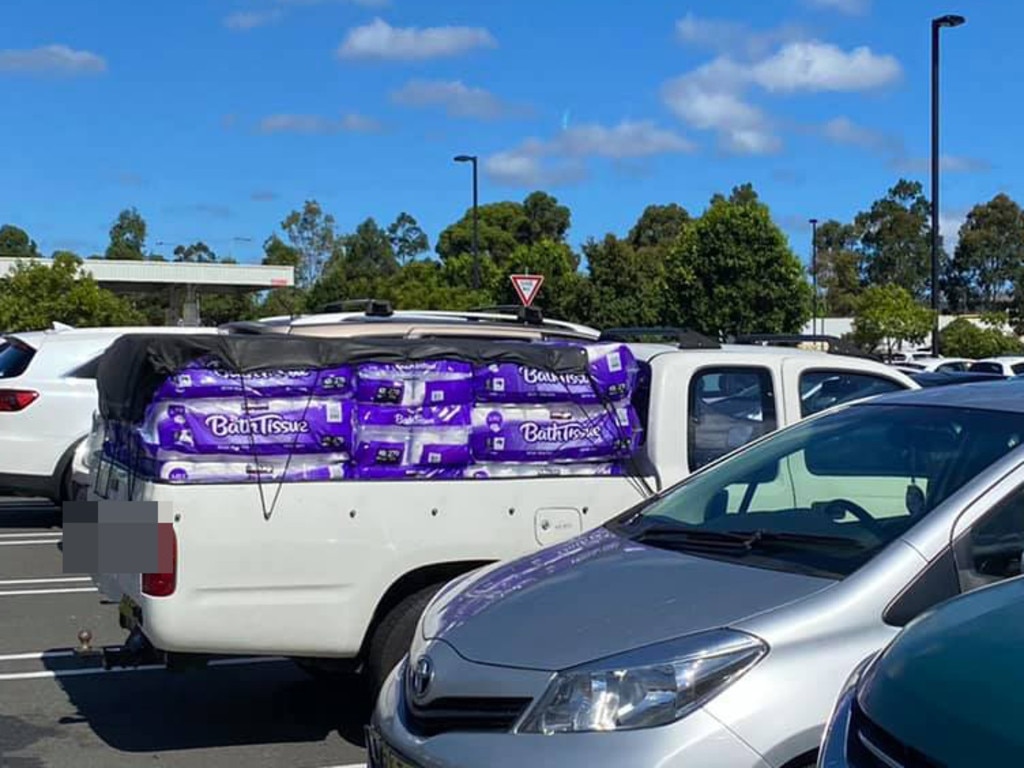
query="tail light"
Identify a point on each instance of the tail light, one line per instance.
(163, 583)
(12, 400)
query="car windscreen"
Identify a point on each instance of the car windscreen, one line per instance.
(15, 357)
(828, 494)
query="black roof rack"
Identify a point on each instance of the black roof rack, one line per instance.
(525, 315)
(832, 344)
(370, 307)
(684, 338)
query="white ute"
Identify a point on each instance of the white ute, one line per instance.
(335, 575)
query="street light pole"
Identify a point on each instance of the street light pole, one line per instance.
(476, 232)
(814, 277)
(937, 25)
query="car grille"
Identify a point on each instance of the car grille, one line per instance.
(869, 746)
(464, 714)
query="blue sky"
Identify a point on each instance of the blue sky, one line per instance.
(216, 118)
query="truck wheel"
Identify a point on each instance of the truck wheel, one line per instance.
(391, 637)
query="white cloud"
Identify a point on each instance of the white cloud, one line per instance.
(815, 66)
(849, 7)
(562, 159)
(947, 164)
(246, 20)
(715, 95)
(455, 97)
(378, 40)
(949, 228)
(312, 125)
(843, 130)
(51, 59)
(734, 37)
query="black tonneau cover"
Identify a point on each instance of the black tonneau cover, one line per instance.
(135, 365)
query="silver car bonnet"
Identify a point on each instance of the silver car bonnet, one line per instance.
(598, 595)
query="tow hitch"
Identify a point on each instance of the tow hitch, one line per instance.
(137, 651)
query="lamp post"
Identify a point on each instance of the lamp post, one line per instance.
(476, 243)
(938, 24)
(814, 277)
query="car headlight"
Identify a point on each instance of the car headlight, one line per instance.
(645, 688)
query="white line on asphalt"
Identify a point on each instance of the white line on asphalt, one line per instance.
(52, 673)
(48, 580)
(31, 534)
(69, 590)
(27, 542)
(37, 655)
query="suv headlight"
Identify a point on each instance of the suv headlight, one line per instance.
(645, 688)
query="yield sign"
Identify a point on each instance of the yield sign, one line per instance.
(527, 286)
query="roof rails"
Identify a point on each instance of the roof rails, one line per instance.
(684, 338)
(524, 314)
(370, 307)
(832, 344)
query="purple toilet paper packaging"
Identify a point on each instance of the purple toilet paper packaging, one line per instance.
(401, 436)
(202, 470)
(206, 378)
(433, 382)
(543, 469)
(384, 473)
(611, 375)
(563, 432)
(266, 426)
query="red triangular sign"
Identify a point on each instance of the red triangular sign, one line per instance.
(527, 287)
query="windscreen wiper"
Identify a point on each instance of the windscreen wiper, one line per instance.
(738, 540)
(785, 537)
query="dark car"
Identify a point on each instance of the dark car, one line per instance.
(949, 690)
(945, 378)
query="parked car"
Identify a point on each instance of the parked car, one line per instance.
(47, 398)
(714, 624)
(940, 364)
(948, 690)
(347, 589)
(1004, 366)
(945, 378)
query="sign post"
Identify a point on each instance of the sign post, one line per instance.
(527, 287)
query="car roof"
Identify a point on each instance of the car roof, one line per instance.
(1006, 396)
(1002, 359)
(78, 335)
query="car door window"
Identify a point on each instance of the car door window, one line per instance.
(728, 407)
(823, 389)
(991, 550)
(1017, 368)
(953, 367)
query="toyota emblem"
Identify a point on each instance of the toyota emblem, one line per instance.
(421, 677)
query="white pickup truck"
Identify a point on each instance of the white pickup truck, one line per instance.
(335, 574)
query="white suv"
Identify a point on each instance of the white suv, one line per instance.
(47, 399)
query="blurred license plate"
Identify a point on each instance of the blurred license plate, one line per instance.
(380, 755)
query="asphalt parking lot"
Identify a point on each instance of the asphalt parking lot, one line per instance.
(60, 709)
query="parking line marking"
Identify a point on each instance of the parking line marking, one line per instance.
(30, 534)
(69, 590)
(36, 655)
(53, 673)
(48, 580)
(28, 542)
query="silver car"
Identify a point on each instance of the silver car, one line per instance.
(715, 624)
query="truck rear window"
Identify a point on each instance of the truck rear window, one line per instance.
(15, 357)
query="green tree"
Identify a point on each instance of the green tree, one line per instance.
(502, 228)
(197, 253)
(127, 237)
(839, 268)
(733, 272)
(895, 238)
(407, 239)
(890, 315)
(962, 338)
(35, 295)
(367, 252)
(562, 295)
(628, 285)
(658, 225)
(989, 257)
(311, 232)
(220, 308)
(16, 244)
(279, 254)
(547, 218)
